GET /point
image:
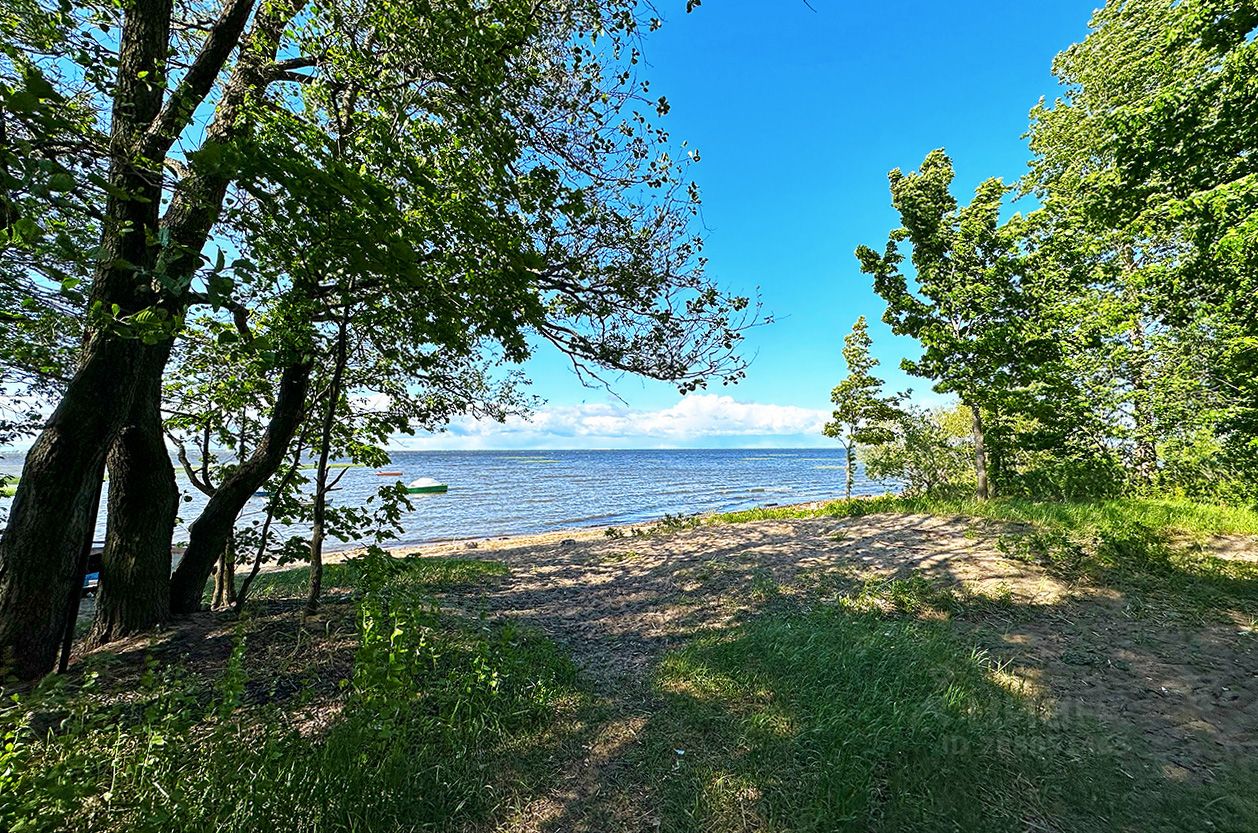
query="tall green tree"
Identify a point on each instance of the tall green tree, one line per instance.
(1185, 168)
(1111, 266)
(862, 414)
(1144, 168)
(966, 307)
(497, 163)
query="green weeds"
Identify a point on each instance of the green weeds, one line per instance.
(444, 722)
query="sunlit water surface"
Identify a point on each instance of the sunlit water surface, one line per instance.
(496, 493)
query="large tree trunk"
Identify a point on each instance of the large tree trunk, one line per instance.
(47, 522)
(980, 455)
(50, 518)
(193, 211)
(209, 533)
(143, 501)
(50, 521)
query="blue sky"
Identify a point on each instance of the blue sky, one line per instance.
(799, 114)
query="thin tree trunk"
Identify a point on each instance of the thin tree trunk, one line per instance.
(225, 576)
(319, 513)
(849, 462)
(245, 586)
(76, 598)
(980, 455)
(1144, 450)
(143, 501)
(207, 536)
(265, 534)
(1145, 456)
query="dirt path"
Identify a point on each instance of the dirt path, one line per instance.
(1188, 690)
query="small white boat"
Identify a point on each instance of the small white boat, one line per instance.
(425, 486)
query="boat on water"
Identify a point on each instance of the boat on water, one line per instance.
(388, 474)
(426, 486)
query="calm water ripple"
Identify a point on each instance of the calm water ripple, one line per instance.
(495, 493)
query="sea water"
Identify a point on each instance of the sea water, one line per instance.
(496, 493)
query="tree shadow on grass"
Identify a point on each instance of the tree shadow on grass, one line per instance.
(830, 719)
(705, 590)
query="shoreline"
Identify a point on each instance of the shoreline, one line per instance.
(491, 543)
(570, 531)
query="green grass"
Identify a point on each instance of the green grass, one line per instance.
(419, 573)
(445, 723)
(1153, 548)
(838, 718)
(1180, 516)
(1167, 515)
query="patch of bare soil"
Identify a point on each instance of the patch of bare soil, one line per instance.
(1188, 691)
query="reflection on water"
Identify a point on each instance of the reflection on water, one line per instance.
(496, 493)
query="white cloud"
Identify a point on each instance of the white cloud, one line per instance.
(697, 419)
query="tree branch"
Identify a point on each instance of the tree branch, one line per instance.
(199, 79)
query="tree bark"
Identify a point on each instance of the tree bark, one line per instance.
(209, 532)
(225, 577)
(980, 455)
(143, 502)
(49, 521)
(194, 209)
(849, 461)
(319, 511)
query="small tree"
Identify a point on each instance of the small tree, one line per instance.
(862, 411)
(929, 453)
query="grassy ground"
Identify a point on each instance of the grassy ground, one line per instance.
(1159, 548)
(832, 700)
(860, 716)
(875, 710)
(439, 722)
(431, 574)
(1162, 515)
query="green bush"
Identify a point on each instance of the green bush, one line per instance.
(931, 453)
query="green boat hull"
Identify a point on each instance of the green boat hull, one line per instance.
(427, 490)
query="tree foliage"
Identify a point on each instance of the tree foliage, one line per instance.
(862, 413)
(441, 182)
(1105, 342)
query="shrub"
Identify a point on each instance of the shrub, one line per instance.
(433, 731)
(931, 454)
